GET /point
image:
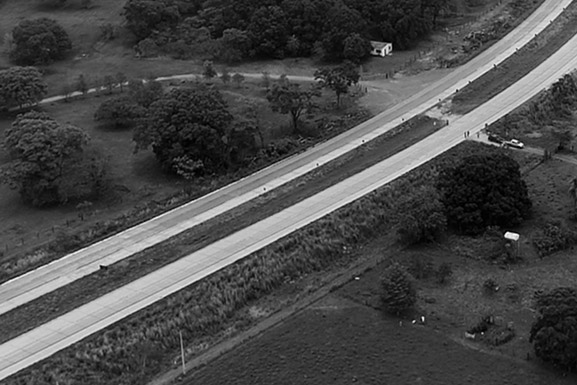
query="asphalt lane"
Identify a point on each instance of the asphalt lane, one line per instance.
(86, 261)
(53, 336)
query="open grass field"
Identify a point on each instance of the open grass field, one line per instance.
(338, 341)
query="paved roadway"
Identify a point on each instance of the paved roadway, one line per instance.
(86, 261)
(55, 335)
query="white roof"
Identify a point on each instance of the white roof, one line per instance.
(511, 236)
(379, 44)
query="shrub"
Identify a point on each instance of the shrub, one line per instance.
(421, 216)
(554, 333)
(553, 237)
(398, 291)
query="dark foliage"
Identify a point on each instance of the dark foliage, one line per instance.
(335, 29)
(554, 333)
(119, 112)
(186, 128)
(50, 163)
(398, 291)
(39, 41)
(482, 191)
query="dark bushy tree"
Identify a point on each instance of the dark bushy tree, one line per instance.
(49, 162)
(482, 191)
(188, 125)
(356, 48)
(119, 112)
(398, 290)
(421, 216)
(20, 86)
(554, 333)
(145, 16)
(39, 41)
(268, 32)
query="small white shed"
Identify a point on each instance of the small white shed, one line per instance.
(381, 48)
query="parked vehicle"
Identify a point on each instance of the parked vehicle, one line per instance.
(514, 143)
(495, 138)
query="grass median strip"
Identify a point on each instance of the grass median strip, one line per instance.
(515, 67)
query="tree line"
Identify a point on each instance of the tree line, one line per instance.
(232, 30)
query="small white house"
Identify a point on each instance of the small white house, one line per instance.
(381, 48)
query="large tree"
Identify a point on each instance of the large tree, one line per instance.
(39, 41)
(554, 333)
(421, 216)
(289, 98)
(20, 86)
(189, 124)
(482, 191)
(49, 162)
(338, 79)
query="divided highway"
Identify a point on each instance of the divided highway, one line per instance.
(53, 336)
(86, 261)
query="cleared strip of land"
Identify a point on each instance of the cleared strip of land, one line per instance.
(76, 325)
(86, 261)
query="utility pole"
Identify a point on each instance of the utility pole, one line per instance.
(182, 351)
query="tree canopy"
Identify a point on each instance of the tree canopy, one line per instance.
(289, 98)
(189, 126)
(338, 79)
(49, 162)
(554, 333)
(336, 29)
(20, 86)
(398, 291)
(39, 41)
(482, 191)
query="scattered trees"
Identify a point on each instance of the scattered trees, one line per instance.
(290, 99)
(39, 41)
(338, 79)
(121, 112)
(187, 128)
(50, 163)
(398, 290)
(20, 86)
(482, 191)
(554, 333)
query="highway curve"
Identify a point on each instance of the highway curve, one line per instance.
(59, 273)
(55, 335)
